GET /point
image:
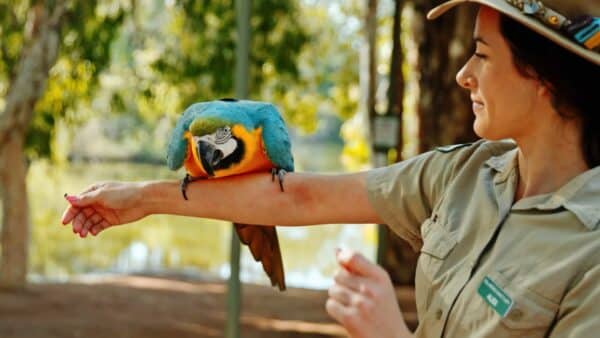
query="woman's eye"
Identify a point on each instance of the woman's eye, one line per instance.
(479, 55)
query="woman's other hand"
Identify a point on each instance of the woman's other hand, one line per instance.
(104, 205)
(363, 299)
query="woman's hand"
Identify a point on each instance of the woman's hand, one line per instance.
(104, 205)
(363, 299)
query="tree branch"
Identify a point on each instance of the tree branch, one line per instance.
(32, 73)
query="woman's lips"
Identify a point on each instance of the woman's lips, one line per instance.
(477, 105)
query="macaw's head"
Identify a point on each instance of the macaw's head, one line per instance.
(213, 144)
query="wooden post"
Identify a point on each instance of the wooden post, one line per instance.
(234, 292)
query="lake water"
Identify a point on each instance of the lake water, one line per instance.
(172, 244)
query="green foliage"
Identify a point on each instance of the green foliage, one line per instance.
(88, 28)
(328, 67)
(132, 66)
(168, 56)
(200, 54)
(12, 19)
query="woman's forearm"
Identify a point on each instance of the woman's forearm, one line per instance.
(256, 199)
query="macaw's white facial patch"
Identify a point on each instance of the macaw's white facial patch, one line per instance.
(222, 135)
(226, 145)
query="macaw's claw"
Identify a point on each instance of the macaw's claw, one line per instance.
(185, 182)
(280, 174)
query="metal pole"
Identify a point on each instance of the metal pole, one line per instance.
(234, 292)
(242, 9)
(242, 60)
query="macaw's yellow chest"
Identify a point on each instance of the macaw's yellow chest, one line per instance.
(251, 155)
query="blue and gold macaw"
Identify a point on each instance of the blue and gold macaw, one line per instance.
(230, 137)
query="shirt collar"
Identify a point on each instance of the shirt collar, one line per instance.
(581, 195)
(504, 164)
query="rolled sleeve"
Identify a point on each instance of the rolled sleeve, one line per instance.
(405, 193)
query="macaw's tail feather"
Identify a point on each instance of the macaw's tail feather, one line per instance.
(264, 246)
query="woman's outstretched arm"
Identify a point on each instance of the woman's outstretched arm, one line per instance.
(252, 199)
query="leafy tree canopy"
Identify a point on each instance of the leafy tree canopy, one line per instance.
(87, 31)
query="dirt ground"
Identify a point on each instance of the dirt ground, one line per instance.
(137, 306)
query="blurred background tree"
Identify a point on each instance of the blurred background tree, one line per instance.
(433, 52)
(62, 40)
(103, 81)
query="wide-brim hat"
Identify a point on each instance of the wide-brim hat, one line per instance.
(572, 24)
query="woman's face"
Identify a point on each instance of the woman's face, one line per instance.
(504, 101)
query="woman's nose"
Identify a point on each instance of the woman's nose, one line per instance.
(465, 78)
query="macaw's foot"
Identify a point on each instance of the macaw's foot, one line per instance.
(280, 174)
(185, 182)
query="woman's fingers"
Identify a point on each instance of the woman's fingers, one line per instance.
(338, 311)
(341, 294)
(91, 221)
(78, 203)
(353, 317)
(358, 264)
(101, 206)
(96, 229)
(80, 219)
(69, 214)
(350, 281)
(363, 299)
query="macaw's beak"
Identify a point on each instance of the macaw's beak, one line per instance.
(210, 157)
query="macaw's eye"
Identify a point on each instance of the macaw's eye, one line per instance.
(223, 135)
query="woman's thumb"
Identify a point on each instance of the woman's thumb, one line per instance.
(81, 200)
(356, 263)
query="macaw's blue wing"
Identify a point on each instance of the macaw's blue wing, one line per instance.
(250, 114)
(276, 138)
(177, 149)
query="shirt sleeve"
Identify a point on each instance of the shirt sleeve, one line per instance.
(405, 193)
(578, 312)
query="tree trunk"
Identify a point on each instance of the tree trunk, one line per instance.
(443, 108)
(396, 256)
(371, 39)
(396, 89)
(28, 85)
(15, 217)
(444, 45)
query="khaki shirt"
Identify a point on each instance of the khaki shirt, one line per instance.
(490, 267)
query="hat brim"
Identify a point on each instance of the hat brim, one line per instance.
(532, 23)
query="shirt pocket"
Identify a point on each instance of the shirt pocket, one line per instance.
(437, 245)
(529, 310)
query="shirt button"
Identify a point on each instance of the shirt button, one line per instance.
(439, 313)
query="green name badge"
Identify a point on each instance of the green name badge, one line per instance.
(495, 297)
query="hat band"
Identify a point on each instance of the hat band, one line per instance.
(584, 30)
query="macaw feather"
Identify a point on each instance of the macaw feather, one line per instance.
(264, 144)
(203, 126)
(264, 245)
(204, 117)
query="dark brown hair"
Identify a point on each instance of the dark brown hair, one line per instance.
(574, 81)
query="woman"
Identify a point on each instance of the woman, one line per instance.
(508, 230)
